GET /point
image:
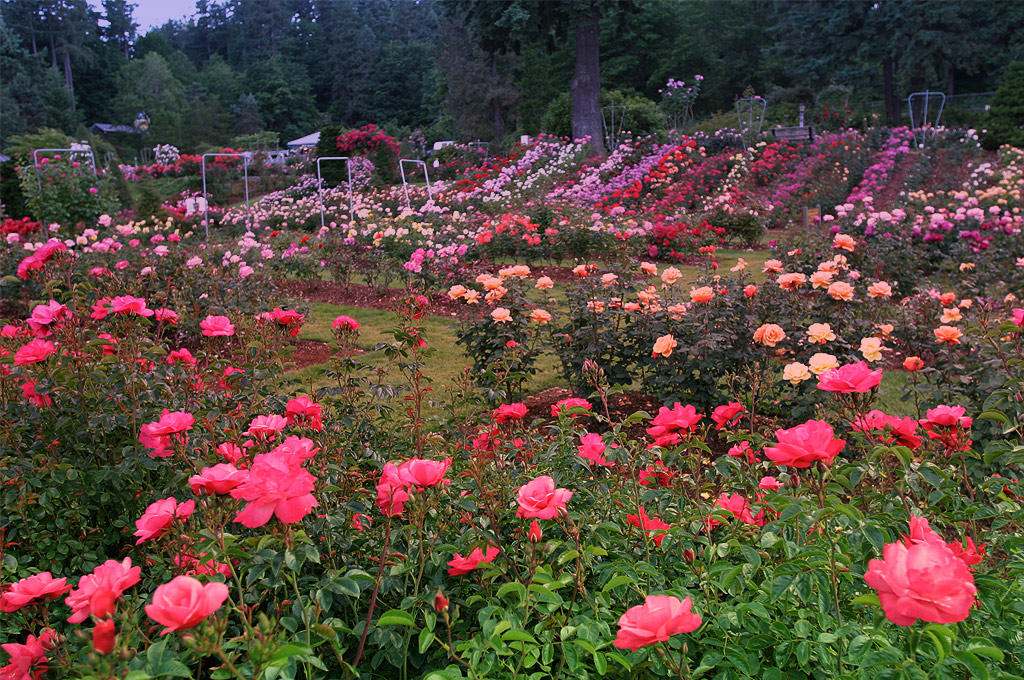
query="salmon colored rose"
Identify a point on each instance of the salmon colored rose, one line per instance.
(769, 334)
(663, 346)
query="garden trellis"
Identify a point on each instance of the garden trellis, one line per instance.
(921, 126)
(39, 179)
(405, 183)
(612, 128)
(750, 113)
(320, 184)
(245, 169)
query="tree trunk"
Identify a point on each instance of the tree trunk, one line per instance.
(68, 77)
(499, 121)
(892, 104)
(586, 83)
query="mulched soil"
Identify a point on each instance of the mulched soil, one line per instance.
(310, 353)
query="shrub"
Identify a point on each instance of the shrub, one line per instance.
(1004, 122)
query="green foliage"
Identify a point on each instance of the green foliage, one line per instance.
(1004, 121)
(643, 116)
(58, 191)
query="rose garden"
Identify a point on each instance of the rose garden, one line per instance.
(713, 405)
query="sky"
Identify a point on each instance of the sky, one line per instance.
(153, 13)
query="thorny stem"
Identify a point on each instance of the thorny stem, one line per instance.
(373, 596)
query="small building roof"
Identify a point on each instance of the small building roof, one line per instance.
(107, 128)
(309, 140)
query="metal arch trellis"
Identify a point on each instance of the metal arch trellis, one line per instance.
(39, 179)
(405, 183)
(749, 106)
(611, 131)
(320, 185)
(920, 141)
(206, 196)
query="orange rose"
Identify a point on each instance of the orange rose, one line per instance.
(913, 363)
(841, 290)
(664, 345)
(769, 334)
(702, 294)
(844, 242)
(791, 281)
(501, 315)
(948, 335)
(880, 289)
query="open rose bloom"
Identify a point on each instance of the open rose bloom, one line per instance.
(656, 620)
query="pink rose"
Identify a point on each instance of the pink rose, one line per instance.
(424, 473)
(111, 578)
(656, 620)
(34, 351)
(540, 499)
(509, 412)
(32, 590)
(724, 415)
(923, 580)
(461, 565)
(277, 485)
(214, 326)
(345, 323)
(800, 446)
(218, 479)
(184, 602)
(157, 436)
(159, 516)
(592, 447)
(850, 378)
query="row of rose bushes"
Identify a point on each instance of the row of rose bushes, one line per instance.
(286, 534)
(270, 538)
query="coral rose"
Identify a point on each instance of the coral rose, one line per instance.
(702, 294)
(185, 602)
(277, 485)
(33, 352)
(841, 290)
(656, 620)
(159, 516)
(111, 577)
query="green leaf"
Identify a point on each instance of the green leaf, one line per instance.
(987, 650)
(426, 639)
(997, 416)
(751, 555)
(600, 663)
(780, 584)
(285, 652)
(973, 663)
(867, 599)
(161, 663)
(617, 581)
(396, 617)
(518, 634)
(513, 586)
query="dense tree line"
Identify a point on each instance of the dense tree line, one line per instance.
(472, 69)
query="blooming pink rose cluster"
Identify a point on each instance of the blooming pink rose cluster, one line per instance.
(923, 578)
(668, 426)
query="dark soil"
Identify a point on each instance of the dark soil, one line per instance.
(310, 353)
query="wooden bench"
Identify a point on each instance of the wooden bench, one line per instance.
(794, 134)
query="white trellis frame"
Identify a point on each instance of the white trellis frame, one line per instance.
(206, 195)
(611, 131)
(921, 131)
(405, 183)
(39, 178)
(486, 146)
(750, 114)
(320, 185)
